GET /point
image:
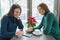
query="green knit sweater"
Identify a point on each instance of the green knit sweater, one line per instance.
(50, 25)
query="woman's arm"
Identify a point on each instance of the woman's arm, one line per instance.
(48, 26)
(4, 26)
(40, 25)
(20, 25)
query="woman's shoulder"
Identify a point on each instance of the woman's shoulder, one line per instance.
(51, 14)
(5, 17)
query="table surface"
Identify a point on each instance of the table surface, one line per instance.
(33, 37)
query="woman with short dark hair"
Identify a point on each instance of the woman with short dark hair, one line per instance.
(10, 22)
(49, 22)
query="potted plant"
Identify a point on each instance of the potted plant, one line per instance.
(31, 22)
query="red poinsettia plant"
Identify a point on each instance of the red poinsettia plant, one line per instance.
(31, 22)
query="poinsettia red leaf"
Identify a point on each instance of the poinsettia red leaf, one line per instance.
(31, 21)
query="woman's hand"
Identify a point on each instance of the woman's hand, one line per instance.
(29, 30)
(19, 33)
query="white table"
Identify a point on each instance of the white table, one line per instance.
(42, 37)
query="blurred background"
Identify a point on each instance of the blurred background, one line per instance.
(29, 8)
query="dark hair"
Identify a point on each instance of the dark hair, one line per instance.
(44, 7)
(13, 7)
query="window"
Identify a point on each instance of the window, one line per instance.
(6, 4)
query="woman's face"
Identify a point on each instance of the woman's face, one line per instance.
(41, 11)
(17, 13)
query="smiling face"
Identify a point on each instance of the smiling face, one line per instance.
(17, 13)
(41, 11)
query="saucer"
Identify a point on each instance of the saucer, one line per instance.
(37, 32)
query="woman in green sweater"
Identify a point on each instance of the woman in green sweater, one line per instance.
(49, 22)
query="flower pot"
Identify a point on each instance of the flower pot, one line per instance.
(29, 30)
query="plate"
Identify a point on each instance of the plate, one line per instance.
(37, 32)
